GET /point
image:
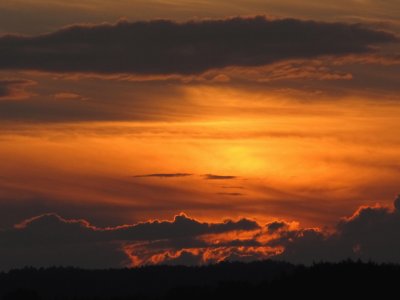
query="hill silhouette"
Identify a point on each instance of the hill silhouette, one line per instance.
(266, 279)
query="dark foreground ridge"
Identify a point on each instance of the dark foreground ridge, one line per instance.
(257, 280)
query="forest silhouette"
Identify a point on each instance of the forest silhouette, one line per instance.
(228, 280)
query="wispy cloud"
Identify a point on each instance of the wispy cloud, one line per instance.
(164, 175)
(219, 177)
(231, 194)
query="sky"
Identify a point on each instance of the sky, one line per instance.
(192, 132)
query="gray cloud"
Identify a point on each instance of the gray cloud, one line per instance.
(166, 47)
(276, 226)
(52, 240)
(372, 233)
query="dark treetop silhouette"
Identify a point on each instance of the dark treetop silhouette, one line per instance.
(225, 280)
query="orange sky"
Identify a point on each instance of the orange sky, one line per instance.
(306, 138)
(321, 159)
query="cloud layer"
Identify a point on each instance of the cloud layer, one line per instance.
(167, 47)
(372, 233)
(49, 240)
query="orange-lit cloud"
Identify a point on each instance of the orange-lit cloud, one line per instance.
(68, 96)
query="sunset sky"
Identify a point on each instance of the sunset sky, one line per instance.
(178, 131)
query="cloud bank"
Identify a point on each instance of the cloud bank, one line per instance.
(49, 240)
(167, 47)
(371, 233)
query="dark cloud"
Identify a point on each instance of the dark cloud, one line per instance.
(14, 89)
(164, 175)
(218, 177)
(276, 226)
(182, 226)
(52, 240)
(53, 226)
(397, 203)
(49, 240)
(166, 47)
(372, 233)
(183, 258)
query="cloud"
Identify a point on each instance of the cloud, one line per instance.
(51, 225)
(371, 233)
(49, 240)
(167, 47)
(15, 89)
(184, 257)
(68, 96)
(294, 70)
(218, 177)
(164, 175)
(276, 226)
(397, 203)
(231, 194)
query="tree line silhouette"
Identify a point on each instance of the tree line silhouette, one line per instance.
(229, 280)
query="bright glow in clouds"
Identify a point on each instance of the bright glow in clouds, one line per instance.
(311, 162)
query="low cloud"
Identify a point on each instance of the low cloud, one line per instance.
(50, 240)
(167, 47)
(371, 233)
